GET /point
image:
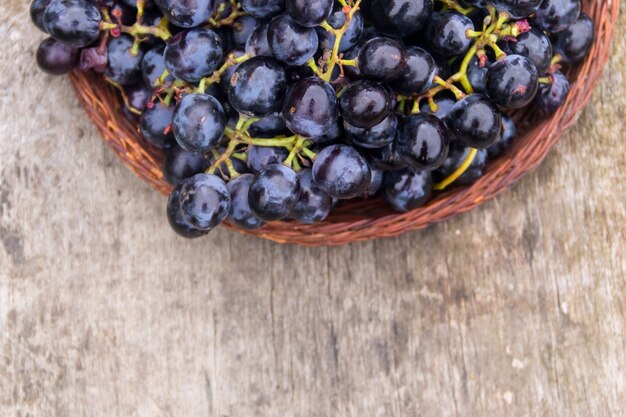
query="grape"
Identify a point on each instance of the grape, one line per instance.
(242, 29)
(333, 134)
(123, 66)
(310, 109)
(155, 124)
(418, 75)
(365, 104)
(407, 189)
(274, 192)
(457, 155)
(240, 212)
(138, 95)
(291, 43)
(552, 96)
(176, 219)
(534, 45)
(512, 82)
(263, 8)
(386, 158)
(518, 9)
(446, 33)
(423, 141)
(382, 59)
(73, 22)
(204, 201)
(56, 58)
(309, 13)
(180, 164)
(257, 87)
(258, 43)
(313, 204)
(336, 20)
(557, 15)
(260, 157)
(193, 54)
(477, 75)
(269, 127)
(186, 13)
(198, 123)
(401, 17)
(341, 172)
(153, 66)
(376, 183)
(37, 9)
(444, 101)
(377, 136)
(573, 43)
(506, 137)
(475, 121)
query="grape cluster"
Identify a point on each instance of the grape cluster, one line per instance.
(281, 109)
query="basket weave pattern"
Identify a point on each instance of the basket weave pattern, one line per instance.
(363, 220)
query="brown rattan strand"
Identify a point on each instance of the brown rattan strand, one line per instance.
(362, 220)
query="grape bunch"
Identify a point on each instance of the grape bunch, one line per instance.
(273, 110)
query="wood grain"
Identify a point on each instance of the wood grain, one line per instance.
(515, 309)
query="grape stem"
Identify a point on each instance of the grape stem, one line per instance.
(217, 74)
(459, 171)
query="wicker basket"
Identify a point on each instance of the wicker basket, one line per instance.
(363, 220)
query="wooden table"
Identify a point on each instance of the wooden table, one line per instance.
(515, 309)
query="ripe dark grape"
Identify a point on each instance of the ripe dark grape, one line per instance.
(444, 102)
(138, 95)
(341, 172)
(153, 66)
(310, 108)
(552, 96)
(557, 15)
(263, 8)
(535, 46)
(418, 75)
(309, 13)
(447, 33)
(376, 183)
(573, 43)
(423, 141)
(257, 87)
(333, 134)
(193, 54)
(512, 82)
(457, 155)
(407, 189)
(37, 9)
(291, 43)
(336, 20)
(477, 75)
(198, 123)
(240, 212)
(507, 135)
(177, 220)
(155, 124)
(56, 58)
(401, 17)
(475, 121)
(518, 9)
(180, 165)
(274, 192)
(313, 204)
(204, 201)
(74, 22)
(365, 104)
(377, 136)
(123, 66)
(381, 59)
(386, 158)
(242, 29)
(258, 43)
(186, 13)
(260, 157)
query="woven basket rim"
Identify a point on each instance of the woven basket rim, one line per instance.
(371, 219)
